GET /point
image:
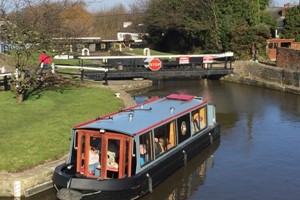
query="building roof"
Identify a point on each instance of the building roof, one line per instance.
(276, 14)
(132, 28)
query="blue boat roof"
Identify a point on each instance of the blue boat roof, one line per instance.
(145, 116)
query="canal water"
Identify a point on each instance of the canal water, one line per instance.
(257, 157)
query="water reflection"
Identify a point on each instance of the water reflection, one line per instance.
(258, 156)
(183, 182)
(260, 136)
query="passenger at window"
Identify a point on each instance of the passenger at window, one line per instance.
(158, 147)
(165, 143)
(202, 123)
(94, 163)
(143, 154)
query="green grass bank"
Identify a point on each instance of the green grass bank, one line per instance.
(38, 130)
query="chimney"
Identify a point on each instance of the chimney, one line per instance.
(285, 6)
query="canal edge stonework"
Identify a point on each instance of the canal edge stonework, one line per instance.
(257, 74)
(38, 179)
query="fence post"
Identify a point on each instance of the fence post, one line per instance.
(5, 82)
(81, 74)
(53, 68)
(81, 70)
(105, 77)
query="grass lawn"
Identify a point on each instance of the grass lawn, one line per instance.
(39, 129)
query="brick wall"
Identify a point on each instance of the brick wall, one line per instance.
(288, 58)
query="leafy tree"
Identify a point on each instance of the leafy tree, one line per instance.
(292, 23)
(207, 25)
(185, 20)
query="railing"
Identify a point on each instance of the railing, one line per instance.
(139, 65)
(142, 62)
(82, 69)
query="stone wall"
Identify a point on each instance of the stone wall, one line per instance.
(288, 59)
(253, 73)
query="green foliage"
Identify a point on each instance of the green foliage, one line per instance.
(292, 23)
(38, 130)
(208, 25)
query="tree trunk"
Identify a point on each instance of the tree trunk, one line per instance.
(20, 98)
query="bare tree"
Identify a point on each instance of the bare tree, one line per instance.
(29, 28)
(108, 22)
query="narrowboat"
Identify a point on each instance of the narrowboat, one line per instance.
(124, 155)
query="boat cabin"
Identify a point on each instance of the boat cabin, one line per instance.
(128, 141)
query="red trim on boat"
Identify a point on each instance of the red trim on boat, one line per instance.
(183, 97)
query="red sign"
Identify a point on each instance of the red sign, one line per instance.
(155, 64)
(184, 60)
(207, 59)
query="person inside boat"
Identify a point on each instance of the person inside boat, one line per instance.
(94, 163)
(143, 154)
(159, 149)
(202, 123)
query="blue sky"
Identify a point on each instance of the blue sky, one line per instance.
(280, 3)
(95, 5)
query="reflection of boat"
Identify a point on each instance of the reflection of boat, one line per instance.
(185, 181)
(138, 148)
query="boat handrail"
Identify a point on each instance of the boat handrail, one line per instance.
(75, 137)
(200, 98)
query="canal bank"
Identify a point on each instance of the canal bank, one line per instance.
(257, 74)
(38, 179)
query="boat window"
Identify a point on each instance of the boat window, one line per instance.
(164, 138)
(94, 156)
(183, 127)
(199, 120)
(88, 154)
(145, 152)
(106, 155)
(113, 158)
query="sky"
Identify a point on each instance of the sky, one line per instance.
(280, 3)
(96, 5)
